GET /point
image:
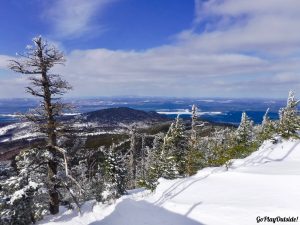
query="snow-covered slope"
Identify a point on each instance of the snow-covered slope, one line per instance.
(17, 131)
(267, 183)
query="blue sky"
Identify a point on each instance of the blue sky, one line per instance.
(193, 48)
(122, 24)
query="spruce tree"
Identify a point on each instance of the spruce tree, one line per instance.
(179, 146)
(289, 121)
(133, 155)
(114, 173)
(244, 132)
(193, 139)
(267, 128)
(25, 191)
(193, 155)
(173, 150)
(154, 163)
(266, 119)
(167, 157)
(88, 169)
(218, 147)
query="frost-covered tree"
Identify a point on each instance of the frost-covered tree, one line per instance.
(37, 62)
(167, 157)
(17, 208)
(180, 145)
(266, 119)
(90, 177)
(132, 159)
(244, 133)
(24, 192)
(217, 147)
(114, 174)
(174, 150)
(193, 139)
(289, 121)
(141, 164)
(153, 164)
(267, 128)
(193, 154)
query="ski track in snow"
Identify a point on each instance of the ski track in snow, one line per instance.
(266, 183)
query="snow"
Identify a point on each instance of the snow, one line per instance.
(188, 113)
(265, 184)
(10, 115)
(7, 128)
(20, 193)
(97, 133)
(22, 130)
(18, 131)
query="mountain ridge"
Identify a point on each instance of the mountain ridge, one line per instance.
(123, 115)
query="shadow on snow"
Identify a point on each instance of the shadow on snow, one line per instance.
(130, 212)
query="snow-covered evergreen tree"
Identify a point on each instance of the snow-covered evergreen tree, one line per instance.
(17, 208)
(167, 157)
(289, 121)
(180, 146)
(218, 147)
(91, 180)
(267, 128)
(141, 164)
(174, 150)
(114, 174)
(266, 119)
(154, 163)
(193, 139)
(133, 157)
(193, 154)
(244, 133)
(26, 197)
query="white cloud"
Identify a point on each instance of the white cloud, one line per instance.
(72, 19)
(245, 49)
(13, 86)
(264, 27)
(175, 71)
(4, 61)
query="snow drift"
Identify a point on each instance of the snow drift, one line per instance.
(265, 184)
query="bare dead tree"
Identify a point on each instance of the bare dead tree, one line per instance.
(37, 62)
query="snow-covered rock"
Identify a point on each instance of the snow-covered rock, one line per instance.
(265, 184)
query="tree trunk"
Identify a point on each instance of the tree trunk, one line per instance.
(53, 193)
(52, 141)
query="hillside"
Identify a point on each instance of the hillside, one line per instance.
(122, 115)
(266, 183)
(105, 123)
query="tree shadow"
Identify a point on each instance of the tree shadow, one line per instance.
(262, 157)
(60, 218)
(130, 212)
(175, 189)
(192, 208)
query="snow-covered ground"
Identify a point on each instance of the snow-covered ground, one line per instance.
(265, 184)
(188, 112)
(17, 131)
(23, 130)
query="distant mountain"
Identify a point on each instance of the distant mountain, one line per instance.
(122, 115)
